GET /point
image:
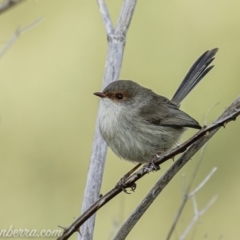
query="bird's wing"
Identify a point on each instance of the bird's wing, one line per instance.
(163, 112)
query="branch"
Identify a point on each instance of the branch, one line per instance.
(105, 16)
(185, 193)
(196, 216)
(99, 148)
(8, 4)
(193, 145)
(186, 196)
(125, 17)
(205, 180)
(19, 31)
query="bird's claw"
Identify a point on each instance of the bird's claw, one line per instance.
(151, 167)
(122, 185)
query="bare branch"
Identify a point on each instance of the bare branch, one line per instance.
(197, 215)
(105, 16)
(195, 171)
(183, 185)
(19, 31)
(185, 196)
(125, 17)
(193, 145)
(202, 183)
(8, 4)
(99, 148)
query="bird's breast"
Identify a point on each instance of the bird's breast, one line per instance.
(130, 137)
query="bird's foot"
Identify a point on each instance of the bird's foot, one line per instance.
(122, 185)
(122, 182)
(151, 166)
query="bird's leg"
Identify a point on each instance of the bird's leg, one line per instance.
(121, 184)
(151, 166)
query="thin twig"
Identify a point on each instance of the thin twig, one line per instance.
(19, 31)
(202, 183)
(197, 215)
(185, 196)
(195, 170)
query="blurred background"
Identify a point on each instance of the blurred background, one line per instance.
(48, 112)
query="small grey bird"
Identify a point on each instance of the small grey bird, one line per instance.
(137, 123)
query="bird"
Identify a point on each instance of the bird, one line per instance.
(138, 124)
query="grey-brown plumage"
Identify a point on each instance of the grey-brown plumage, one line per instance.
(137, 123)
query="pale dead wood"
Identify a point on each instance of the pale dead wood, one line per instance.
(116, 43)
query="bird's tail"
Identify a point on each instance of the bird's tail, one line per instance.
(198, 70)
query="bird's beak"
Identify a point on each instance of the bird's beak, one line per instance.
(100, 94)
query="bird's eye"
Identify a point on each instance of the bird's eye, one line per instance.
(119, 95)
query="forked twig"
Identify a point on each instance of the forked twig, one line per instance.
(19, 31)
(186, 191)
(187, 195)
(196, 216)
